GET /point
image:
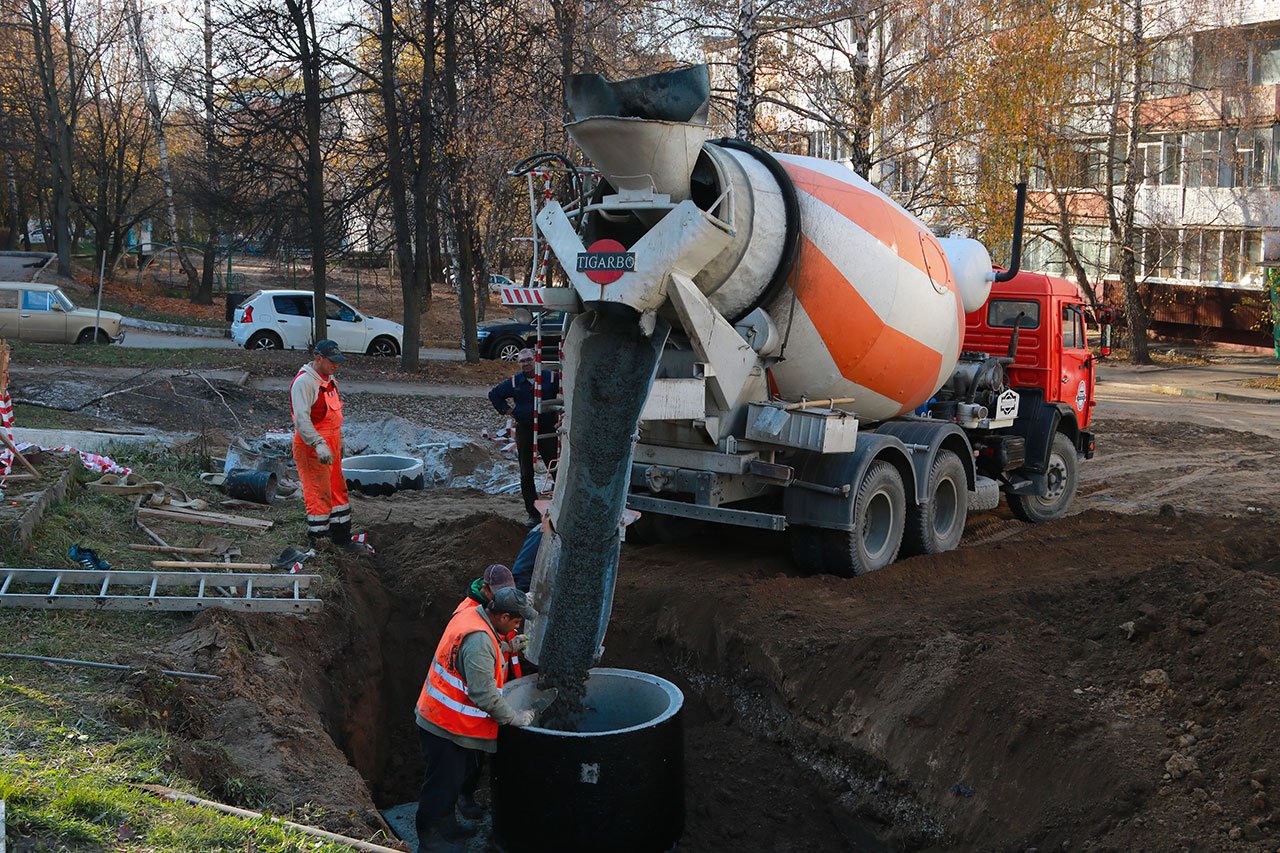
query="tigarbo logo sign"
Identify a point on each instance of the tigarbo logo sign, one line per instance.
(605, 261)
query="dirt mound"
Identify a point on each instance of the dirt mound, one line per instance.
(1104, 681)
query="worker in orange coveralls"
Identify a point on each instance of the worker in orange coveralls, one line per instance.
(317, 448)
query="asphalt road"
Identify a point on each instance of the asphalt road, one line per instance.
(159, 340)
(20, 266)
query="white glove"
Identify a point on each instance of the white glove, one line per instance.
(522, 719)
(323, 453)
(519, 643)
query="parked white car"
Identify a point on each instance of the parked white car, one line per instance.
(282, 319)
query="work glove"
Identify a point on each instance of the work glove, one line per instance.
(519, 643)
(522, 719)
(323, 453)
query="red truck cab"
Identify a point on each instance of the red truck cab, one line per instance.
(1052, 353)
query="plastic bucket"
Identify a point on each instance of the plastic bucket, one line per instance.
(247, 485)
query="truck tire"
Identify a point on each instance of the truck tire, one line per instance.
(936, 525)
(1062, 477)
(879, 516)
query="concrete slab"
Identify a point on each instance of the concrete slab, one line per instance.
(97, 442)
(400, 819)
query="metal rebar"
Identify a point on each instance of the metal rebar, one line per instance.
(117, 666)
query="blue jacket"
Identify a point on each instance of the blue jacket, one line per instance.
(519, 389)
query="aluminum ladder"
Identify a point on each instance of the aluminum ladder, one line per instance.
(174, 591)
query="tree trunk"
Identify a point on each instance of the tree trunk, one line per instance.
(398, 189)
(203, 295)
(162, 148)
(748, 39)
(1134, 311)
(16, 225)
(860, 142)
(303, 18)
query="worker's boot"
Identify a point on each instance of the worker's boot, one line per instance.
(469, 808)
(340, 533)
(451, 830)
(318, 542)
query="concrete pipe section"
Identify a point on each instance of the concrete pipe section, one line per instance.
(616, 784)
(382, 474)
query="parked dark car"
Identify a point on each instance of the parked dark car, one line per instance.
(503, 339)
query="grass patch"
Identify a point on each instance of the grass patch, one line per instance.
(68, 781)
(1268, 384)
(142, 312)
(70, 760)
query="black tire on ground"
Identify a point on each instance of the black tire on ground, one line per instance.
(507, 349)
(936, 525)
(264, 340)
(86, 337)
(384, 347)
(1062, 479)
(879, 515)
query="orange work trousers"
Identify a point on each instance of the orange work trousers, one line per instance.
(324, 488)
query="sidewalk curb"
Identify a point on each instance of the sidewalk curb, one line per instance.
(1194, 393)
(175, 328)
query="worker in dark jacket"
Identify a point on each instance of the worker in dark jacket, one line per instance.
(514, 397)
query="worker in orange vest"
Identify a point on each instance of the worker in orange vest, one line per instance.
(460, 708)
(496, 577)
(481, 592)
(317, 448)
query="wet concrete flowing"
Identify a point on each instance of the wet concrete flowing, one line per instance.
(609, 367)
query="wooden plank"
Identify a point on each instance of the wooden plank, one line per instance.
(195, 564)
(169, 549)
(283, 580)
(165, 603)
(17, 454)
(169, 515)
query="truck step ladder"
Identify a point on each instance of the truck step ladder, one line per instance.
(78, 589)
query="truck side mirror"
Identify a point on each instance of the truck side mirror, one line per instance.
(1105, 348)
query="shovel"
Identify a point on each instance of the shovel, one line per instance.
(534, 700)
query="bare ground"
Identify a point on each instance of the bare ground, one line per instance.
(1103, 682)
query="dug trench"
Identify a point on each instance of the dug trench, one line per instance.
(1102, 682)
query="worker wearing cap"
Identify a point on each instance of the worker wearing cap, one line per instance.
(496, 577)
(514, 397)
(317, 448)
(461, 706)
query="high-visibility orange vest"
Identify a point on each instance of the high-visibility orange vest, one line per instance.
(444, 699)
(512, 659)
(326, 411)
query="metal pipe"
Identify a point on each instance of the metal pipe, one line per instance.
(117, 666)
(1015, 253)
(172, 794)
(841, 491)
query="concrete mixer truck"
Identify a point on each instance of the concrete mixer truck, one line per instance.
(806, 355)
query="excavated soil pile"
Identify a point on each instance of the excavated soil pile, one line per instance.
(1106, 681)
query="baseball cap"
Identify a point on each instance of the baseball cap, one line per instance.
(524, 354)
(512, 600)
(329, 349)
(498, 577)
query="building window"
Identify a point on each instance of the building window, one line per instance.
(1264, 63)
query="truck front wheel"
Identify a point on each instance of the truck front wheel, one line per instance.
(1061, 481)
(936, 525)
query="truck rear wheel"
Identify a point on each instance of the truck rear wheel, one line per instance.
(936, 525)
(879, 515)
(1062, 479)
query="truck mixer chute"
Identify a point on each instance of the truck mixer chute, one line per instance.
(775, 280)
